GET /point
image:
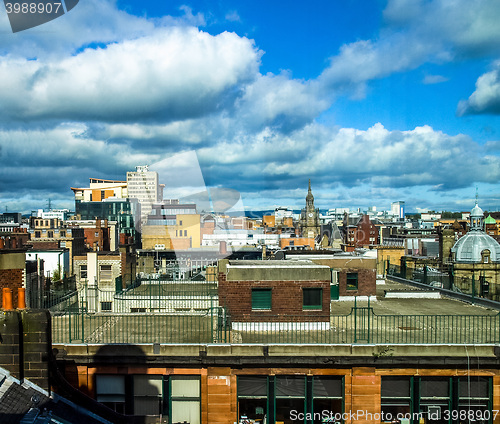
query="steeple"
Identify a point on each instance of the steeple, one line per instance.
(476, 217)
(309, 197)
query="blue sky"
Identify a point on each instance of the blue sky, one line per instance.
(375, 101)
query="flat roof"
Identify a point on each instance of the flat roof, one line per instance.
(275, 264)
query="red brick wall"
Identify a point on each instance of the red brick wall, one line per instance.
(367, 282)
(287, 300)
(42, 245)
(102, 238)
(364, 232)
(12, 279)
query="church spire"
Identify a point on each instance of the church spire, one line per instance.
(309, 197)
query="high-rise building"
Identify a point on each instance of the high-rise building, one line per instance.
(398, 209)
(143, 185)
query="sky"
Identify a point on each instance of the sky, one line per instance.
(374, 101)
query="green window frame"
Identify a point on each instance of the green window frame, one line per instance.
(275, 396)
(253, 397)
(352, 281)
(312, 298)
(443, 397)
(185, 399)
(262, 299)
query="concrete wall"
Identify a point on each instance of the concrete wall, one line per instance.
(276, 270)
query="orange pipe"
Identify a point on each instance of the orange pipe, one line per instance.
(7, 299)
(21, 298)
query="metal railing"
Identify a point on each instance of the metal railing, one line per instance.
(171, 312)
(474, 286)
(214, 325)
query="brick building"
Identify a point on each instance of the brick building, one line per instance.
(353, 274)
(54, 233)
(364, 233)
(12, 269)
(263, 293)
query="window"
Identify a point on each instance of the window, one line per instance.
(185, 233)
(435, 398)
(148, 394)
(252, 397)
(261, 299)
(63, 233)
(110, 390)
(290, 395)
(50, 234)
(105, 273)
(396, 395)
(312, 298)
(37, 234)
(474, 393)
(327, 395)
(271, 398)
(83, 272)
(352, 281)
(185, 399)
(106, 306)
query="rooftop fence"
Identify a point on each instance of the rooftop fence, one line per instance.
(474, 286)
(189, 312)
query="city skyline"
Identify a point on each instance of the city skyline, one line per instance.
(375, 102)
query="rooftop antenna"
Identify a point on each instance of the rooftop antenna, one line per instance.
(49, 205)
(476, 194)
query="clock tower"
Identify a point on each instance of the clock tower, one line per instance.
(309, 217)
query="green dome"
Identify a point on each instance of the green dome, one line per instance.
(490, 220)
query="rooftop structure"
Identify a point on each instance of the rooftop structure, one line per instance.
(473, 246)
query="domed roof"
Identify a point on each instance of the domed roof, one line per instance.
(469, 247)
(476, 211)
(490, 220)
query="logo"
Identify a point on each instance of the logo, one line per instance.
(29, 13)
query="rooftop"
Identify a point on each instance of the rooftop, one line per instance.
(408, 319)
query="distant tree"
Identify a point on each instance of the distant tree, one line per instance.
(451, 215)
(56, 275)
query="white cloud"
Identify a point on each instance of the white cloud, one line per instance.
(233, 16)
(91, 21)
(486, 97)
(176, 73)
(279, 101)
(416, 32)
(434, 79)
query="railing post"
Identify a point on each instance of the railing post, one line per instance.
(355, 321)
(69, 323)
(473, 287)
